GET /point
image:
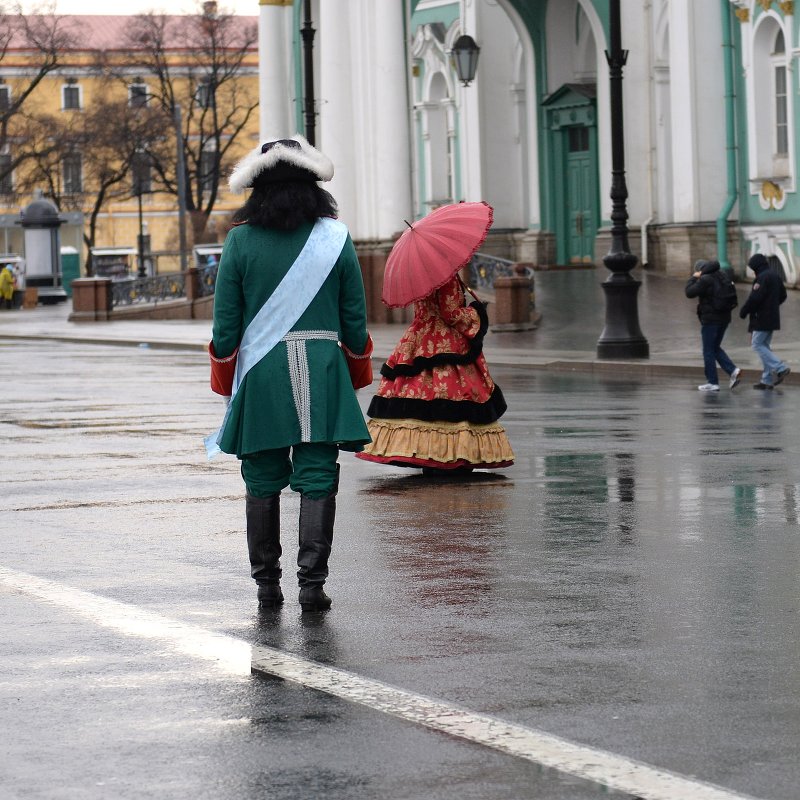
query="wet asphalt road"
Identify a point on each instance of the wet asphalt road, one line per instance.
(630, 584)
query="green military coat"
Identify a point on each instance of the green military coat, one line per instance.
(298, 393)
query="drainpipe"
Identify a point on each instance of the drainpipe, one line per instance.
(730, 136)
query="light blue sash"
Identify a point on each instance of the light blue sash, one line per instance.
(285, 306)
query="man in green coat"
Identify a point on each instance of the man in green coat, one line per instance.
(289, 290)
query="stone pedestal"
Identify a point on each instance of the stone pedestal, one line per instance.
(31, 297)
(91, 300)
(372, 257)
(512, 306)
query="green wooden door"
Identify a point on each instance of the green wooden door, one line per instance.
(580, 196)
(570, 195)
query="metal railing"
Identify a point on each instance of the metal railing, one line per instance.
(207, 280)
(155, 289)
(483, 269)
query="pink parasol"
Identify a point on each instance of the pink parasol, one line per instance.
(434, 249)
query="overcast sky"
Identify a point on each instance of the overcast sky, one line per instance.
(249, 7)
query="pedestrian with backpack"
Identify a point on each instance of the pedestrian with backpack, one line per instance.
(763, 307)
(716, 298)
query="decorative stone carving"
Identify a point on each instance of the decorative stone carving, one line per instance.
(772, 197)
(765, 4)
(787, 6)
(742, 14)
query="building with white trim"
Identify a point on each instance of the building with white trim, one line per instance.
(709, 115)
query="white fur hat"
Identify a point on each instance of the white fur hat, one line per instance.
(282, 160)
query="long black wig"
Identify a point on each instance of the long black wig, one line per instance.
(285, 205)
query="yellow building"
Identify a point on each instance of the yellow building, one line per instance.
(117, 78)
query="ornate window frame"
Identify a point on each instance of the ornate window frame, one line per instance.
(431, 53)
(771, 176)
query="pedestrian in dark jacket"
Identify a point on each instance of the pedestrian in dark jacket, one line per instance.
(763, 307)
(713, 324)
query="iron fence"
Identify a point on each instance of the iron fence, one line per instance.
(207, 280)
(484, 269)
(155, 289)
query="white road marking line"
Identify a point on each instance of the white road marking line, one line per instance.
(237, 657)
(231, 655)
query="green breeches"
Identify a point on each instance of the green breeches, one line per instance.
(308, 468)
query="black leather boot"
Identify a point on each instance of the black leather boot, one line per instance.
(316, 538)
(264, 547)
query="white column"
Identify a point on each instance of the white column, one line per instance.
(391, 167)
(684, 111)
(468, 98)
(364, 120)
(274, 69)
(337, 124)
(698, 111)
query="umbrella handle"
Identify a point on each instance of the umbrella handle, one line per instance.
(468, 289)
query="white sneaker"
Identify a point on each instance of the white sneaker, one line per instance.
(735, 377)
(708, 387)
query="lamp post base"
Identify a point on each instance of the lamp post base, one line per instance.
(622, 337)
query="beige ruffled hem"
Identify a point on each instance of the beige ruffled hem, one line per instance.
(443, 442)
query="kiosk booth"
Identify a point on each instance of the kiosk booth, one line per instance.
(40, 223)
(116, 263)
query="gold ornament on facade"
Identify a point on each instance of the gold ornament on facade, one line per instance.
(765, 4)
(742, 14)
(772, 194)
(787, 6)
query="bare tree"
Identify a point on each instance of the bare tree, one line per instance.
(43, 38)
(208, 83)
(106, 139)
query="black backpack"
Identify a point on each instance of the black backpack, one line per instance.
(723, 295)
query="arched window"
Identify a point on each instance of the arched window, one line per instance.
(769, 117)
(441, 144)
(435, 112)
(781, 99)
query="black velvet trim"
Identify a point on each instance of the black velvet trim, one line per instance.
(439, 410)
(422, 363)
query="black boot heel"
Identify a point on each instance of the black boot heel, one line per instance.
(313, 598)
(270, 596)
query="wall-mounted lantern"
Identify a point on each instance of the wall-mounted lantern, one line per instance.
(465, 53)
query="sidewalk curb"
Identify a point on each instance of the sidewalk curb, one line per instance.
(149, 343)
(640, 368)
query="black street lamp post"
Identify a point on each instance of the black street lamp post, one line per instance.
(142, 268)
(181, 181)
(621, 336)
(141, 185)
(307, 32)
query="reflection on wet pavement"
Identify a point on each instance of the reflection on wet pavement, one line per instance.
(630, 584)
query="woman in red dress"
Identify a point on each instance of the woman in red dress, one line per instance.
(437, 406)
